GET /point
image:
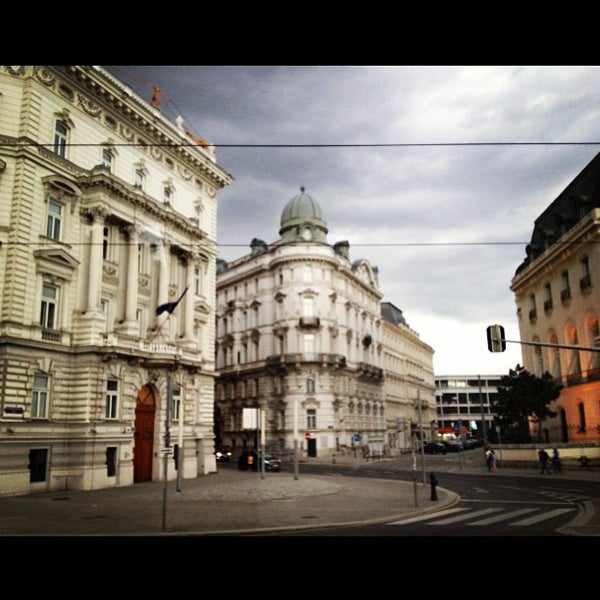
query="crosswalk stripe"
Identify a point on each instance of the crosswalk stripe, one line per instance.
(464, 517)
(537, 518)
(449, 511)
(502, 517)
(467, 514)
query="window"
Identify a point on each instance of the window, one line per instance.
(107, 159)
(167, 196)
(197, 280)
(586, 279)
(311, 418)
(48, 307)
(139, 178)
(54, 220)
(308, 307)
(176, 408)
(307, 274)
(39, 397)
(309, 343)
(310, 385)
(548, 297)
(112, 399)
(565, 293)
(532, 308)
(60, 138)
(105, 242)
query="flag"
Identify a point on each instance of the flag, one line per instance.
(169, 306)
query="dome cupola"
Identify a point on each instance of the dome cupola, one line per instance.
(302, 220)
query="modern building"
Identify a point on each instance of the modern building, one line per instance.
(300, 339)
(408, 383)
(107, 212)
(557, 293)
(463, 404)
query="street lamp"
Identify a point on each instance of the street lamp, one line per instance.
(421, 436)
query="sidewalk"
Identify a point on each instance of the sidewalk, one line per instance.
(231, 502)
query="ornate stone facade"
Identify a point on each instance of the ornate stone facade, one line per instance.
(106, 211)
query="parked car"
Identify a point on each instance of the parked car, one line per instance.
(250, 460)
(468, 443)
(453, 445)
(434, 448)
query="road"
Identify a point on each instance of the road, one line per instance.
(505, 505)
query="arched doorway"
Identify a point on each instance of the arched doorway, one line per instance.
(145, 410)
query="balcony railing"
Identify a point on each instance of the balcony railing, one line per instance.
(585, 282)
(310, 322)
(565, 294)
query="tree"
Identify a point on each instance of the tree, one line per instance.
(523, 397)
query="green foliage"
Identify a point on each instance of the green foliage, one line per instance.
(523, 397)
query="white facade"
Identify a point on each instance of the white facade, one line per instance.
(299, 336)
(557, 293)
(408, 384)
(107, 210)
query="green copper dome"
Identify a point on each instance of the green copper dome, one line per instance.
(300, 214)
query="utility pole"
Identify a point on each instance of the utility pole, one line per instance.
(482, 413)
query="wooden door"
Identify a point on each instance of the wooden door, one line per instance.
(144, 435)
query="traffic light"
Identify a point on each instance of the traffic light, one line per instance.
(495, 338)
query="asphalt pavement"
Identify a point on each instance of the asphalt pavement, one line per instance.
(232, 502)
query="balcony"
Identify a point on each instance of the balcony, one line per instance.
(310, 322)
(565, 295)
(585, 283)
(548, 305)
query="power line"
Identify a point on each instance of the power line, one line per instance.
(375, 145)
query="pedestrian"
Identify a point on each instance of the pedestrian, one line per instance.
(543, 458)
(556, 466)
(490, 459)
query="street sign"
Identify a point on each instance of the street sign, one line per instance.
(167, 451)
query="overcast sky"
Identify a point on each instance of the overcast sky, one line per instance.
(444, 211)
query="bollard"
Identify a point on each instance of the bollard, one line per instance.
(433, 481)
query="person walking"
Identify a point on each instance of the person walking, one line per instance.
(490, 459)
(543, 458)
(556, 466)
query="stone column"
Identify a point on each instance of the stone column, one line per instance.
(97, 214)
(131, 292)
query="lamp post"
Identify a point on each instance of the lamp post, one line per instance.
(295, 438)
(166, 450)
(421, 436)
(482, 413)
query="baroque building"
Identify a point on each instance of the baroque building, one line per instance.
(300, 336)
(107, 212)
(557, 293)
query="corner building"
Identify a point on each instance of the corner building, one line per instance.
(300, 337)
(557, 293)
(107, 211)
